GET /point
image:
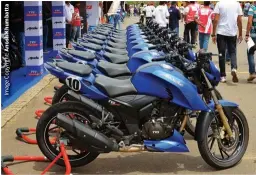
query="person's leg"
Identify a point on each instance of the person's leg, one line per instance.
(201, 40)
(206, 41)
(45, 37)
(221, 44)
(186, 33)
(68, 34)
(22, 47)
(74, 31)
(193, 32)
(177, 30)
(231, 44)
(227, 56)
(119, 24)
(196, 33)
(251, 64)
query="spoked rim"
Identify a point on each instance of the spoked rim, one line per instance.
(53, 148)
(227, 151)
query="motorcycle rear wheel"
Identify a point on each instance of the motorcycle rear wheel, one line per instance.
(238, 147)
(43, 126)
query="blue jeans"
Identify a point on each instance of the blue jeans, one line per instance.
(75, 33)
(45, 36)
(117, 24)
(204, 40)
(20, 36)
(251, 61)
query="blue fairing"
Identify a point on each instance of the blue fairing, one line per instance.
(175, 143)
(140, 58)
(138, 48)
(154, 79)
(87, 87)
(191, 55)
(136, 42)
(223, 103)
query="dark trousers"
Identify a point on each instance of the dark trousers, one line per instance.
(68, 34)
(45, 36)
(142, 19)
(148, 19)
(229, 43)
(190, 33)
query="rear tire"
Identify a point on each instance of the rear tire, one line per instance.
(43, 124)
(231, 161)
(60, 94)
(190, 127)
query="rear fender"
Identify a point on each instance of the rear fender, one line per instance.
(206, 116)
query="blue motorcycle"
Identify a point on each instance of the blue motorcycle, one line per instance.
(147, 112)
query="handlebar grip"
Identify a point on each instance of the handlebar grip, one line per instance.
(152, 47)
(162, 58)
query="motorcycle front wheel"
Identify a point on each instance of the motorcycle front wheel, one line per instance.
(191, 122)
(217, 149)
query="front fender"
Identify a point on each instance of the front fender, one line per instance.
(223, 103)
(205, 117)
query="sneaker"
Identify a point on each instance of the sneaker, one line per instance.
(228, 61)
(223, 80)
(251, 77)
(234, 75)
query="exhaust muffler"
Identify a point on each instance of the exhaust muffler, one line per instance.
(91, 139)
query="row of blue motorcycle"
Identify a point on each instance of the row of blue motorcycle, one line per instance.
(137, 90)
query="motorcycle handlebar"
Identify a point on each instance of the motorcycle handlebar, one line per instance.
(162, 58)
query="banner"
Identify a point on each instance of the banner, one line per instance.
(92, 10)
(58, 25)
(33, 37)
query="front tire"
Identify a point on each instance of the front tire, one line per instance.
(223, 161)
(50, 150)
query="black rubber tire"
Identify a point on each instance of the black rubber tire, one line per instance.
(190, 128)
(48, 115)
(207, 155)
(60, 93)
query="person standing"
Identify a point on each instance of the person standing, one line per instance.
(190, 24)
(174, 17)
(76, 23)
(17, 27)
(227, 20)
(142, 13)
(251, 32)
(46, 16)
(161, 14)
(149, 11)
(181, 12)
(204, 21)
(68, 11)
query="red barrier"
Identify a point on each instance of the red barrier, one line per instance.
(39, 113)
(62, 153)
(48, 100)
(20, 132)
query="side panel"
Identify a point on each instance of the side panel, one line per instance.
(154, 79)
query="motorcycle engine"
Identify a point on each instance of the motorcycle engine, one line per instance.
(161, 123)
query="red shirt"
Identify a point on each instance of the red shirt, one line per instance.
(205, 16)
(76, 21)
(191, 13)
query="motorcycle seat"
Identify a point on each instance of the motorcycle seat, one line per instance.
(87, 56)
(92, 46)
(98, 36)
(114, 87)
(116, 40)
(116, 51)
(79, 69)
(95, 40)
(117, 45)
(116, 58)
(113, 70)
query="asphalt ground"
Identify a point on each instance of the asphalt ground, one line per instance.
(242, 93)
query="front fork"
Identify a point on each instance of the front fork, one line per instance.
(218, 106)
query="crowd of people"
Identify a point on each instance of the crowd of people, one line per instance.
(222, 22)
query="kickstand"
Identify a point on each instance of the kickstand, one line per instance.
(62, 153)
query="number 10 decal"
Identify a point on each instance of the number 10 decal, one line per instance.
(73, 83)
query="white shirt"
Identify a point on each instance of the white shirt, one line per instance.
(68, 11)
(228, 11)
(160, 13)
(181, 9)
(149, 10)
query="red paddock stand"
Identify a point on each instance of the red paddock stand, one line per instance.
(48, 100)
(62, 153)
(39, 113)
(23, 133)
